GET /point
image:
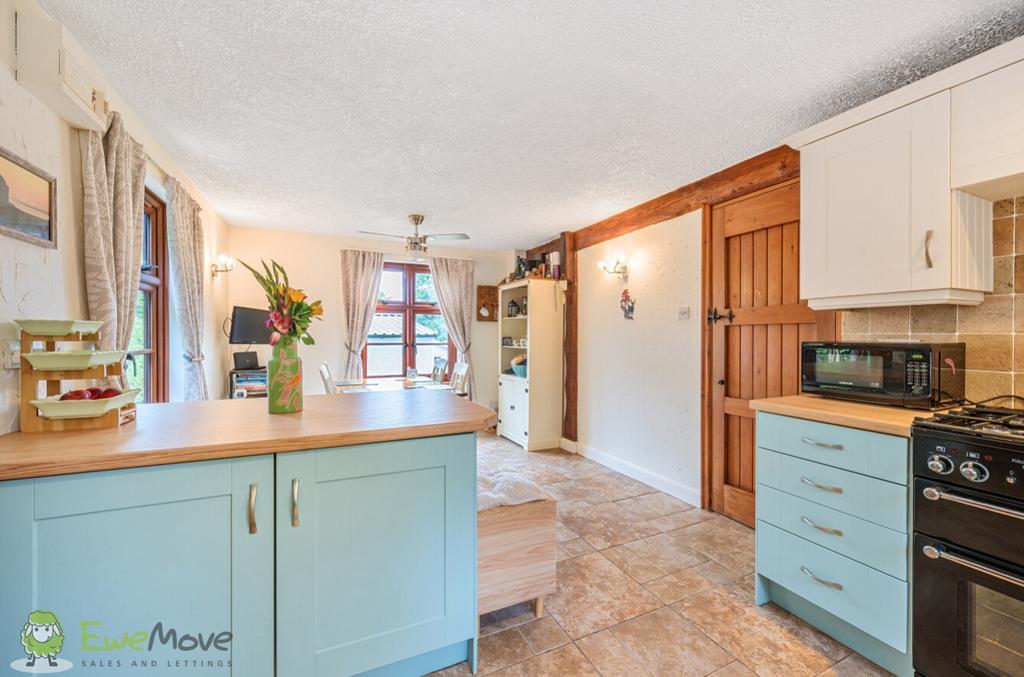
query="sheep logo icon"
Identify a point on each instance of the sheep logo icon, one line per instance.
(43, 638)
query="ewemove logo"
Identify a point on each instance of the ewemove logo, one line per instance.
(43, 638)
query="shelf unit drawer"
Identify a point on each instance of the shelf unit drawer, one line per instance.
(885, 457)
(868, 599)
(871, 499)
(870, 544)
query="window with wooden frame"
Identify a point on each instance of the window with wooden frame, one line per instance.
(408, 330)
(146, 364)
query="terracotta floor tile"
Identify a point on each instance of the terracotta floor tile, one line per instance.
(723, 540)
(593, 594)
(678, 520)
(669, 645)
(610, 656)
(577, 548)
(735, 669)
(543, 634)
(606, 525)
(567, 661)
(614, 486)
(457, 670)
(501, 650)
(855, 665)
(767, 639)
(506, 618)
(679, 585)
(718, 573)
(669, 551)
(663, 504)
(576, 492)
(632, 563)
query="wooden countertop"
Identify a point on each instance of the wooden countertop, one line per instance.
(872, 417)
(200, 431)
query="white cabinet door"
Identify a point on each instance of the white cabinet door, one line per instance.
(872, 198)
(513, 409)
(988, 133)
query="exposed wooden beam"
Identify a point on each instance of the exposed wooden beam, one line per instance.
(571, 336)
(766, 169)
(537, 252)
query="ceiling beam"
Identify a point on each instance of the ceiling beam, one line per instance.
(760, 171)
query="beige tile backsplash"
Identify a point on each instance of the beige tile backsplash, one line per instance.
(993, 331)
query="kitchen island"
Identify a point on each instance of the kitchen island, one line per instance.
(213, 538)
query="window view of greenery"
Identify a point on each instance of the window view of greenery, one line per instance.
(135, 372)
(388, 353)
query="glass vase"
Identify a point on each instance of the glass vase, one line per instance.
(284, 379)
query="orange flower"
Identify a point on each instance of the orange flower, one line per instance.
(296, 295)
(317, 308)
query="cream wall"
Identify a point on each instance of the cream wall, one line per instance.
(313, 263)
(38, 282)
(639, 380)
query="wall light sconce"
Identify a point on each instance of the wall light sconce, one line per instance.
(615, 267)
(223, 264)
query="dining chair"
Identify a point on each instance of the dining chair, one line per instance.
(328, 381)
(440, 369)
(460, 378)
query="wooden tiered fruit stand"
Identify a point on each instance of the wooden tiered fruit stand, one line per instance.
(32, 420)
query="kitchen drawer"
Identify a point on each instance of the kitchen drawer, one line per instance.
(864, 597)
(872, 499)
(876, 546)
(873, 454)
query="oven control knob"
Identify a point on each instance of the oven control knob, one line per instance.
(975, 472)
(1010, 479)
(940, 464)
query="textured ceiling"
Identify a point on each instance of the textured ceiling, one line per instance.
(509, 121)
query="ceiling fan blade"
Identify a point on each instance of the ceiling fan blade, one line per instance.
(370, 232)
(448, 236)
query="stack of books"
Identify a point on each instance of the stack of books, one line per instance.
(249, 383)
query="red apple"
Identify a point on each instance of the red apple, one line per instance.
(108, 393)
(94, 392)
(75, 395)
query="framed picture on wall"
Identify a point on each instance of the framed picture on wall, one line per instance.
(28, 201)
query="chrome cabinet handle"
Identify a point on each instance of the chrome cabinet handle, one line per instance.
(823, 487)
(936, 494)
(825, 530)
(928, 235)
(821, 581)
(252, 508)
(938, 552)
(825, 445)
(295, 502)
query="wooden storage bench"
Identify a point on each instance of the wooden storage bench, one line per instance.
(516, 555)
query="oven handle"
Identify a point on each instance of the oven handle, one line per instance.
(938, 552)
(936, 494)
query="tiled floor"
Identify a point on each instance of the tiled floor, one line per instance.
(647, 585)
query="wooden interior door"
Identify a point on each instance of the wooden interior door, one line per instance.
(754, 260)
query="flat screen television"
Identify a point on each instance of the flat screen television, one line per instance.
(248, 325)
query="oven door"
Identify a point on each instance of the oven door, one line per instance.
(854, 371)
(968, 612)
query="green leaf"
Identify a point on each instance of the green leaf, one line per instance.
(308, 340)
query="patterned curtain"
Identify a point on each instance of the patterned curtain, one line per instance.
(113, 175)
(185, 246)
(360, 281)
(453, 279)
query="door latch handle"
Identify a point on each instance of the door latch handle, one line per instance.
(714, 316)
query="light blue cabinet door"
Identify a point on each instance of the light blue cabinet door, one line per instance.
(147, 570)
(376, 555)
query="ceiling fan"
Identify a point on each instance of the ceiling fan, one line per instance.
(416, 244)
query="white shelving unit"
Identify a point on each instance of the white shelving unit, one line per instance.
(530, 407)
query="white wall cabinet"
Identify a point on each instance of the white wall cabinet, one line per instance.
(880, 224)
(530, 406)
(987, 153)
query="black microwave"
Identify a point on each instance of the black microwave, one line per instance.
(913, 375)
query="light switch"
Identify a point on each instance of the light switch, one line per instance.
(684, 313)
(10, 352)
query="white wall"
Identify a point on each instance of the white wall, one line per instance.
(46, 283)
(639, 380)
(313, 263)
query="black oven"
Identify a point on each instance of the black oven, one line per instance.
(914, 375)
(968, 594)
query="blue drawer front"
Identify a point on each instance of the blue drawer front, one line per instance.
(867, 599)
(874, 454)
(876, 501)
(860, 540)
